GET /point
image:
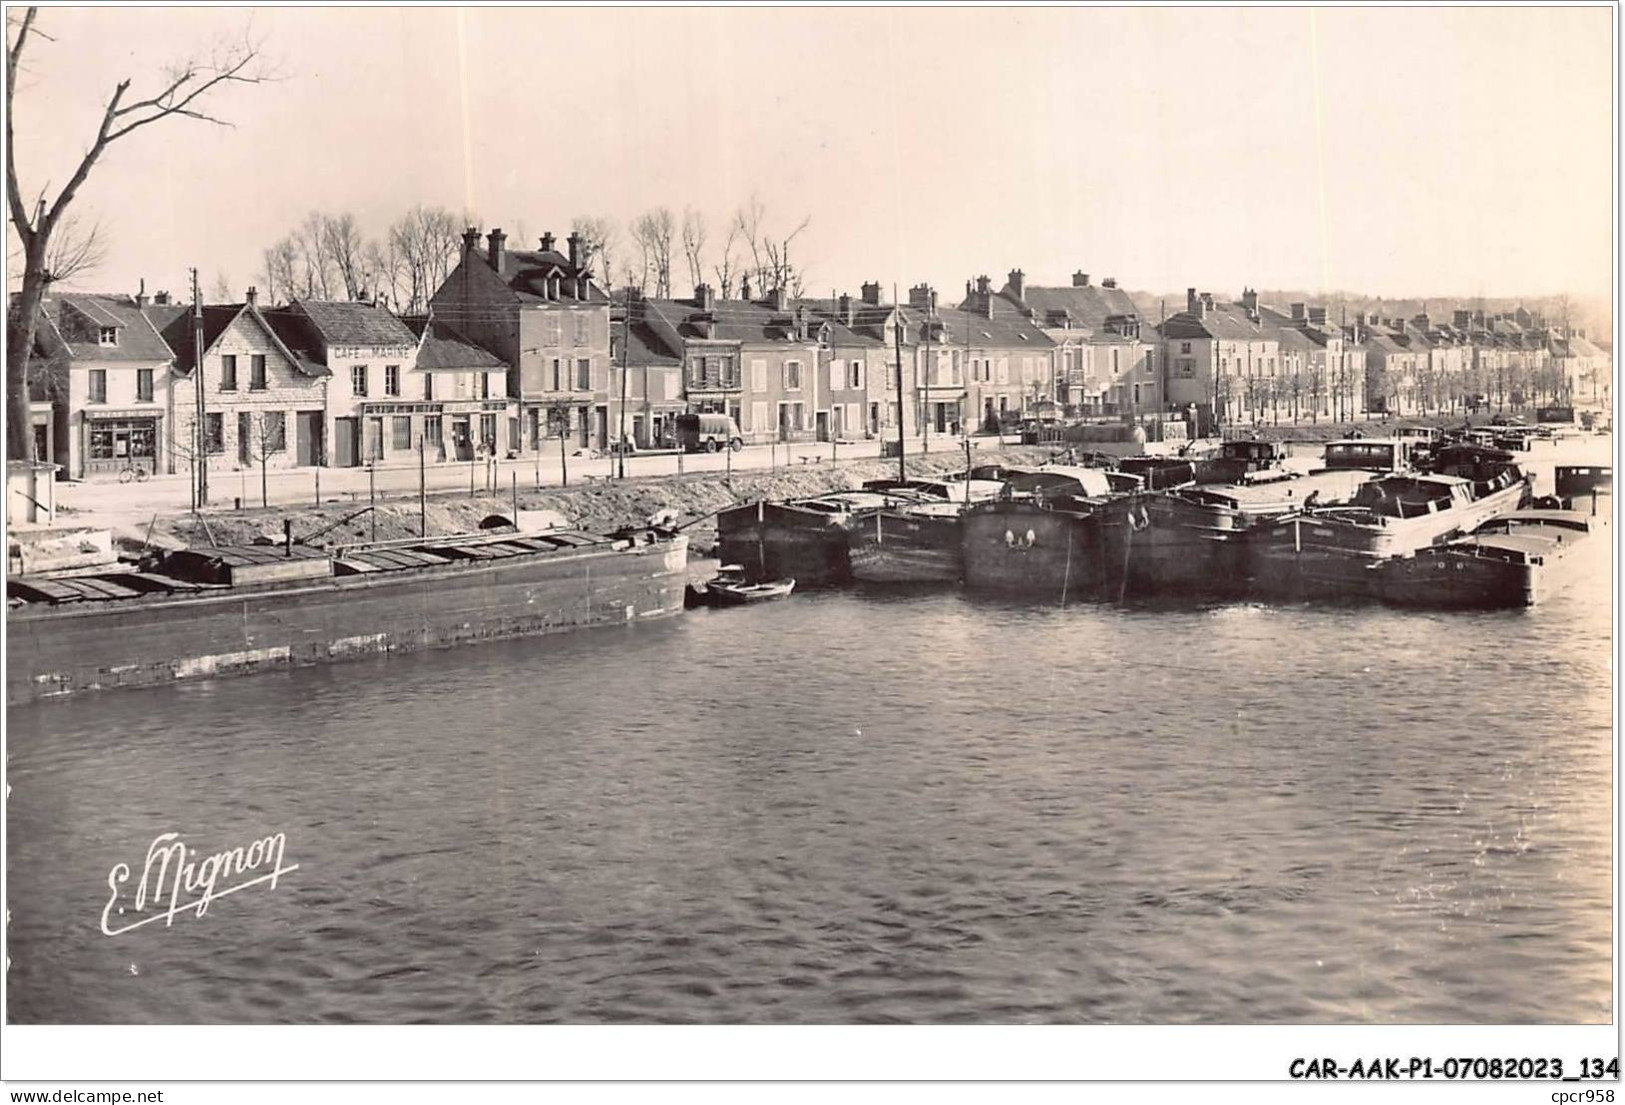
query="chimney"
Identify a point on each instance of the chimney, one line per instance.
(1317, 316)
(744, 288)
(471, 240)
(919, 297)
(575, 250)
(497, 254)
(1109, 282)
(844, 310)
(1298, 314)
(779, 299)
(583, 286)
(160, 299)
(1018, 285)
(704, 297)
(932, 304)
(1249, 301)
(1207, 303)
(141, 294)
(871, 294)
(547, 242)
(1463, 319)
(252, 296)
(1080, 279)
(1191, 301)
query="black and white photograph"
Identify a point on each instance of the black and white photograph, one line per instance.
(540, 517)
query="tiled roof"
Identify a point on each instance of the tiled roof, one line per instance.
(77, 320)
(868, 326)
(735, 320)
(527, 271)
(1226, 321)
(442, 347)
(1089, 306)
(1005, 330)
(355, 323)
(645, 347)
(300, 338)
(178, 331)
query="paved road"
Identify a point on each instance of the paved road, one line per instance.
(121, 505)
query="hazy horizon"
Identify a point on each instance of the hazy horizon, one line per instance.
(1403, 153)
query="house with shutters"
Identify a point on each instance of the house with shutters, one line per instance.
(453, 399)
(857, 356)
(1222, 360)
(264, 400)
(541, 314)
(755, 360)
(369, 356)
(646, 380)
(101, 387)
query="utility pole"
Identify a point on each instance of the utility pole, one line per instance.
(924, 385)
(202, 407)
(897, 335)
(626, 340)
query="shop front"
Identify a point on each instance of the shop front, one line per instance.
(119, 441)
(453, 430)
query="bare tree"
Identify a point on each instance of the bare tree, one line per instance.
(181, 92)
(220, 290)
(770, 262)
(279, 270)
(652, 231)
(748, 226)
(599, 236)
(315, 271)
(268, 436)
(342, 244)
(725, 267)
(384, 271)
(694, 234)
(424, 242)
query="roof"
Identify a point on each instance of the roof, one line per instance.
(363, 324)
(178, 330)
(1227, 321)
(1006, 330)
(1090, 305)
(300, 339)
(527, 272)
(644, 346)
(442, 347)
(77, 319)
(738, 320)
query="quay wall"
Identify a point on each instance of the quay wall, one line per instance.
(141, 642)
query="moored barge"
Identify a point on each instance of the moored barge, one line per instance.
(234, 610)
(1517, 559)
(919, 542)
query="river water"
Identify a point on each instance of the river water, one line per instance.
(856, 807)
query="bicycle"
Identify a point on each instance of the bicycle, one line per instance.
(133, 472)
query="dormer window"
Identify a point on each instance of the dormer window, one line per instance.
(107, 335)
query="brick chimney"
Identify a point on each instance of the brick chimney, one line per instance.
(1018, 285)
(871, 294)
(1317, 316)
(471, 240)
(843, 310)
(252, 296)
(1249, 301)
(547, 242)
(779, 299)
(497, 253)
(705, 297)
(1080, 279)
(1109, 282)
(744, 288)
(575, 250)
(1191, 302)
(919, 297)
(141, 294)
(160, 299)
(1298, 313)
(984, 286)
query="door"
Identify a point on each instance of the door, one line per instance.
(874, 418)
(942, 417)
(821, 421)
(462, 442)
(603, 427)
(307, 429)
(245, 437)
(346, 442)
(488, 433)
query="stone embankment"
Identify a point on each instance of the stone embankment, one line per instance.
(597, 506)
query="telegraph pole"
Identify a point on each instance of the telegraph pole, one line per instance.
(925, 385)
(202, 406)
(897, 335)
(626, 340)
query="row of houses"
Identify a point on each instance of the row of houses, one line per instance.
(521, 348)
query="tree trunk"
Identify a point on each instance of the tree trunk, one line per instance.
(20, 326)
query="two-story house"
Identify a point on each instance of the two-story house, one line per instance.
(1222, 362)
(754, 360)
(452, 401)
(110, 373)
(646, 382)
(264, 403)
(540, 312)
(858, 360)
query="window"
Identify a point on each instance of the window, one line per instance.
(214, 432)
(107, 335)
(758, 376)
(485, 385)
(1184, 347)
(143, 385)
(582, 328)
(245, 437)
(558, 375)
(228, 372)
(837, 375)
(1187, 366)
(855, 375)
(584, 374)
(551, 329)
(792, 377)
(358, 379)
(758, 417)
(431, 430)
(392, 379)
(98, 385)
(256, 372)
(428, 386)
(274, 431)
(400, 433)
(1115, 365)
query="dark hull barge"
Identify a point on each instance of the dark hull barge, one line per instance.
(208, 612)
(1519, 559)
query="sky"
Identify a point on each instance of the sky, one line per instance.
(1389, 151)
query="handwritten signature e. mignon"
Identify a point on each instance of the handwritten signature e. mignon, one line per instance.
(189, 876)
